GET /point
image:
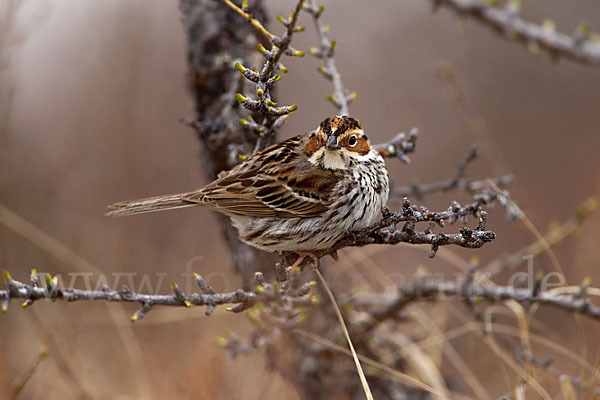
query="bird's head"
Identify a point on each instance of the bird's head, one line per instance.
(337, 143)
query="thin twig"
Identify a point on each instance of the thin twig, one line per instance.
(247, 16)
(400, 146)
(489, 190)
(554, 236)
(340, 98)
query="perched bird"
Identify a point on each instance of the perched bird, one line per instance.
(301, 195)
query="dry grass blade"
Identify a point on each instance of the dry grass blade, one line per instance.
(447, 348)
(20, 382)
(491, 343)
(404, 378)
(566, 388)
(70, 258)
(421, 363)
(361, 374)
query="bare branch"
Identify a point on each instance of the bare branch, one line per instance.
(384, 231)
(471, 293)
(340, 98)
(272, 116)
(400, 146)
(486, 191)
(241, 300)
(506, 21)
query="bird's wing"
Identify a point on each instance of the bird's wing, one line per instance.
(277, 182)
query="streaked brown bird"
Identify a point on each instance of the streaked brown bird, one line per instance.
(301, 195)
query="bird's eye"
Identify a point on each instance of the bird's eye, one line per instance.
(352, 141)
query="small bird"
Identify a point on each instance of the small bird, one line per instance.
(301, 195)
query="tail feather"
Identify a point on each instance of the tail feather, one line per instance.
(151, 204)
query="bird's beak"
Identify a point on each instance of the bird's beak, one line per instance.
(332, 143)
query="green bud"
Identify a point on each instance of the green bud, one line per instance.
(221, 341)
(240, 98)
(283, 69)
(133, 318)
(276, 77)
(300, 28)
(549, 24)
(313, 50)
(333, 43)
(243, 122)
(240, 67)
(271, 103)
(281, 19)
(187, 303)
(299, 53)
(584, 28)
(261, 49)
(7, 276)
(353, 95)
(331, 98)
(293, 108)
(259, 289)
(260, 92)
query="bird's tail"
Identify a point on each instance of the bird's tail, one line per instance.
(152, 204)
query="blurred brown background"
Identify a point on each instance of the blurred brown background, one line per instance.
(91, 96)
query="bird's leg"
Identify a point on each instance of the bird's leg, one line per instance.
(302, 255)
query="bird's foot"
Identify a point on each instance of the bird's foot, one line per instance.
(302, 255)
